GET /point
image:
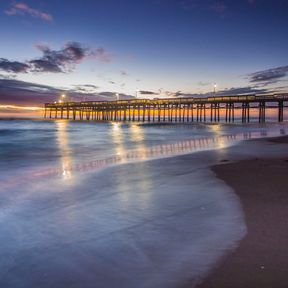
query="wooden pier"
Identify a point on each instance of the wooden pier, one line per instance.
(212, 109)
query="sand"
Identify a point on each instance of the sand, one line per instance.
(261, 260)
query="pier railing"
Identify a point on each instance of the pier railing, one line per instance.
(188, 109)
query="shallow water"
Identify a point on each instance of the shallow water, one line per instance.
(81, 207)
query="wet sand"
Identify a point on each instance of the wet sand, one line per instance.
(261, 260)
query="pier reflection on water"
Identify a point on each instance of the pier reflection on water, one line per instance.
(131, 143)
(143, 180)
(65, 151)
(142, 152)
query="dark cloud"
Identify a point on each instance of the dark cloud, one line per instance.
(227, 92)
(180, 94)
(13, 91)
(90, 86)
(112, 95)
(243, 91)
(144, 92)
(86, 88)
(124, 73)
(61, 60)
(269, 76)
(16, 92)
(55, 61)
(13, 66)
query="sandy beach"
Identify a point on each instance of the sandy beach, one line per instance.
(157, 216)
(261, 258)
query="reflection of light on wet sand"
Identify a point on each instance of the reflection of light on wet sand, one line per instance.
(66, 160)
(141, 153)
(217, 131)
(142, 185)
(137, 134)
(118, 138)
(167, 150)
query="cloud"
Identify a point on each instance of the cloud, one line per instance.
(101, 55)
(268, 76)
(144, 92)
(13, 66)
(86, 88)
(112, 95)
(227, 92)
(201, 83)
(55, 61)
(181, 94)
(23, 9)
(124, 73)
(243, 90)
(13, 91)
(16, 92)
(61, 60)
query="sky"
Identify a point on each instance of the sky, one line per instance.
(92, 49)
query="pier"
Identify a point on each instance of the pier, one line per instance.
(209, 109)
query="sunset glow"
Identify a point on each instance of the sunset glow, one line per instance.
(187, 48)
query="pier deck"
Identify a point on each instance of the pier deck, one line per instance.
(171, 109)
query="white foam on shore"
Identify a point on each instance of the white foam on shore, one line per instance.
(150, 224)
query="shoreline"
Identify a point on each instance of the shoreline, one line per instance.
(260, 260)
(137, 216)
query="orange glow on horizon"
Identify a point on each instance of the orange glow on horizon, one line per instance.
(16, 107)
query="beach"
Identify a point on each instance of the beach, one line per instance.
(261, 258)
(111, 205)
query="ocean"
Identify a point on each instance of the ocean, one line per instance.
(85, 204)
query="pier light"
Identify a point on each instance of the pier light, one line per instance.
(60, 101)
(215, 86)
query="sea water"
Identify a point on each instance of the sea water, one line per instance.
(115, 205)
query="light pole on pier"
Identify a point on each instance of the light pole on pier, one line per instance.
(62, 98)
(215, 86)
